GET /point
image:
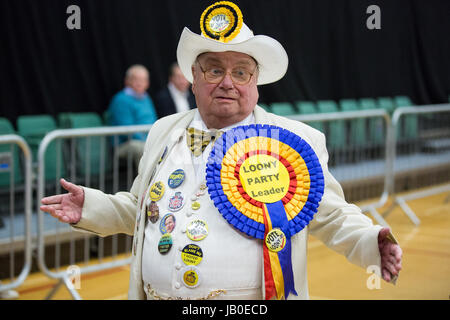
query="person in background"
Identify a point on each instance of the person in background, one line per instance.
(176, 96)
(133, 106)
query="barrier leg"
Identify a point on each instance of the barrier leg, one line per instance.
(54, 290)
(378, 218)
(407, 210)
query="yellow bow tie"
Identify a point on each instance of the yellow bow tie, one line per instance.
(198, 140)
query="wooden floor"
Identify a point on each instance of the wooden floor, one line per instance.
(425, 274)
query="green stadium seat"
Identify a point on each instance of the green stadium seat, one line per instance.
(308, 107)
(283, 108)
(357, 135)
(91, 147)
(387, 104)
(375, 125)
(5, 157)
(409, 124)
(33, 128)
(336, 134)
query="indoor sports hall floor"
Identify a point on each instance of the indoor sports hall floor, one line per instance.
(425, 274)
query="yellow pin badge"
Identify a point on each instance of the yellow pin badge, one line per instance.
(221, 21)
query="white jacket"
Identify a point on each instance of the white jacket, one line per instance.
(339, 225)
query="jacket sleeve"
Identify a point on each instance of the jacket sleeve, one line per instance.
(107, 214)
(341, 226)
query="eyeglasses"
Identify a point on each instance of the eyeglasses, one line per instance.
(239, 75)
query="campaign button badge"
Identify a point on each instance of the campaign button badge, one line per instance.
(176, 202)
(167, 223)
(192, 254)
(157, 190)
(153, 212)
(176, 178)
(190, 276)
(197, 230)
(195, 205)
(275, 240)
(165, 243)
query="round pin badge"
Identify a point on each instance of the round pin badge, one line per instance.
(176, 178)
(153, 212)
(197, 230)
(176, 202)
(167, 223)
(157, 191)
(190, 276)
(275, 240)
(195, 205)
(192, 254)
(165, 243)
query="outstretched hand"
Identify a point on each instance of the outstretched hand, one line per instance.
(391, 255)
(65, 207)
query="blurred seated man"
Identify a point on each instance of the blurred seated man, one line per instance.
(133, 106)
(176, 96)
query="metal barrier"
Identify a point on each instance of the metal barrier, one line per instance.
(9, 162)
(358, 145)
(79, 148)
(421, 149)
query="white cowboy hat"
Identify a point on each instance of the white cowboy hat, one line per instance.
(270, 55)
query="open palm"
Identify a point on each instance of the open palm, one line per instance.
(65, 207)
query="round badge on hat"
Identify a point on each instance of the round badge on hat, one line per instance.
(197, 230)
(176, 178)
(165, 243)
(176, 202)
(221, 21)
(192, 254)
(190, 276)
(167, 223)
(157, 190)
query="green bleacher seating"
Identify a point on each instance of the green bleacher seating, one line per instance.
(33, 128)
(283, 108)
(309, 107)
(375, 125)
(9, 157)
(91, 147)
(387, 103)
(357, 135)
(409, 124)
(336, 135)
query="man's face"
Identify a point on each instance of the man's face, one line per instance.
(225, 103)
(178, 80)
(138, 81)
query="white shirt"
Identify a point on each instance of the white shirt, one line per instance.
(179, 98)
(231, 260)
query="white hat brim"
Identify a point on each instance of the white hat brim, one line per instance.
(269, 53)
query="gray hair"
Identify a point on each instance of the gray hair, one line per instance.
(136, 67)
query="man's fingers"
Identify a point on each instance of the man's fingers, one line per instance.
(386, 275)
(73, 188)
(52, 199)
(383, 233)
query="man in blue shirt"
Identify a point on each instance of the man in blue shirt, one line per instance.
(133, 106)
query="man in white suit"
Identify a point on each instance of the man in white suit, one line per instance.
(203, 257)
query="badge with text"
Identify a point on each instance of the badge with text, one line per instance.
(197, 230)
(221, 21)
(192, 254)
(176, 178)
(165, 243)
(267, 182)
(176, 202)
(167, 223)
(157, 191)
(153, 212)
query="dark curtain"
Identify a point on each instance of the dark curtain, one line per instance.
(46, 68)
